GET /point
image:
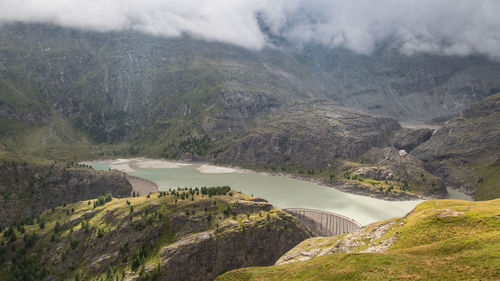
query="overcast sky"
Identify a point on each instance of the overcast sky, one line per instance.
(439, 26)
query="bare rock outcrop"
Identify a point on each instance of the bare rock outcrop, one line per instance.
(408, 139)
(205, 255)
(465, 152)
(394, 164)
(311, 134)
(363, 238)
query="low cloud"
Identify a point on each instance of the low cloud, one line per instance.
(451, 27)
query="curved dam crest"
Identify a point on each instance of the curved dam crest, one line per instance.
(281, 191)
(323, 223)
(318, 222)
(142, 186)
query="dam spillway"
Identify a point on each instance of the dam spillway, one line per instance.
(323, 223)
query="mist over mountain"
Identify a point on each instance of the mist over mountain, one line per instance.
(289, 86)
(117, 84)
(446, 27)
(398, 100)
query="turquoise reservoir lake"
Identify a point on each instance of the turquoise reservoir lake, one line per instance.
(281, 191)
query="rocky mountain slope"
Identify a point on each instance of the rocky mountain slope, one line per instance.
(180, 235)
(27, 189)
(438, 240)
(312, 134)
(418, 87)
(119, 85)
(465, 152)
(66, 93)
(342, 147)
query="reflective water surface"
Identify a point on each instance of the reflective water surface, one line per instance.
(281, 191)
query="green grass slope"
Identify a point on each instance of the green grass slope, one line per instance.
(439, 240)
(192, 234)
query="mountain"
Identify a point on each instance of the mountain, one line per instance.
(438, 240)
(339, 146)
(311, 134)
(119, 85)
(69, 94)
(385, 124)
(193, 234)
(465, 152)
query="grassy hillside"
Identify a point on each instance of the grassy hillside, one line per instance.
(439, 240)
(191, 234)
(488, 181)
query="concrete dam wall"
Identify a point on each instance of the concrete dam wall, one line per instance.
(322, 223)
(141, 186)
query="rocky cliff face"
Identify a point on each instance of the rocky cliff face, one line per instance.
(466, 150)
(313, 134)
(409, 139)
(360, 153)
(183, 235)
(117, 86)
(208, 101)
(431, 242)
(205, 255)
(418, 87)
(28, 190)
(393, 164)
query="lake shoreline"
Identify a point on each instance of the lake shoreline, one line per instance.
(212, 168)
(281, 190)
(351, 189)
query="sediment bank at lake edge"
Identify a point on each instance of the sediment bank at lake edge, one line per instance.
(124, 165)
(281, 191)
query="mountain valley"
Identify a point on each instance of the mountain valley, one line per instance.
(395, 126)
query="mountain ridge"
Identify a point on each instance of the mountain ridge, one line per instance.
(70, 93)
